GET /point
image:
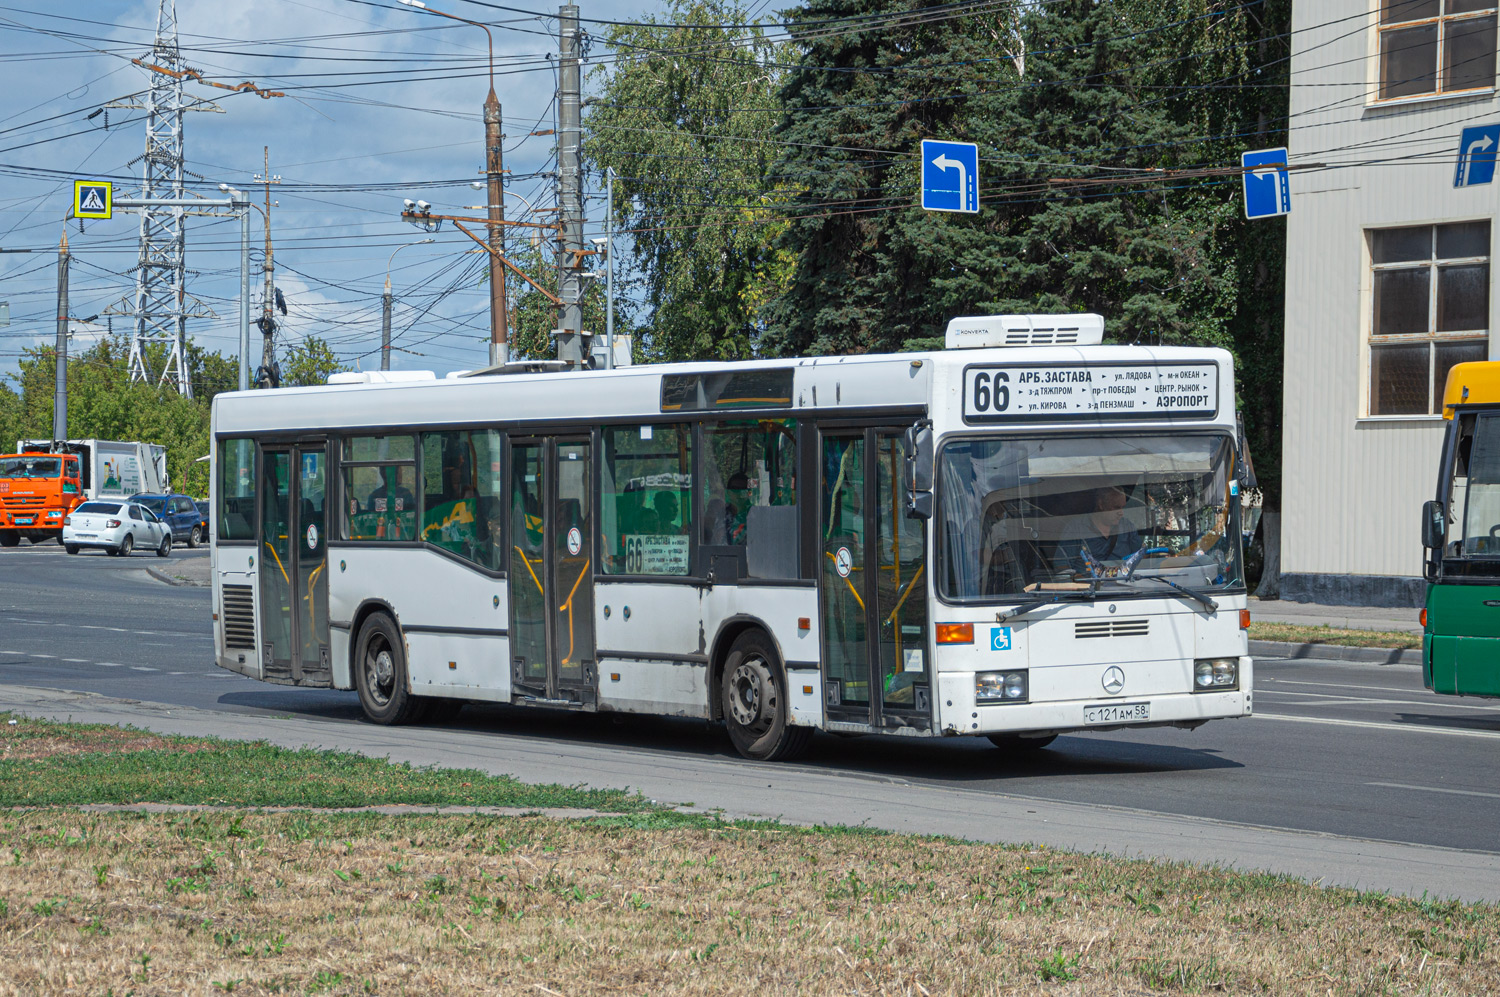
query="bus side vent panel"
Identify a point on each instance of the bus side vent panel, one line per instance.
(1111, 628)
(239, 618)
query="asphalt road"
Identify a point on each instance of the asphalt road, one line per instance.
(1349, 773)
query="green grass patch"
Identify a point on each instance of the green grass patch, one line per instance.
(1297, 634)
(43, 763)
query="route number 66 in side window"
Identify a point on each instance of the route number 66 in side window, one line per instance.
(990, 392)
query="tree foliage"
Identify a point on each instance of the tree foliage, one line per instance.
(682, 119)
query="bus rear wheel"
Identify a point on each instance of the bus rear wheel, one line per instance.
(380, 673)
(1017, 743)
(755, 702)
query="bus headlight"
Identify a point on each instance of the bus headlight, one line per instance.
(1001, 687)
(1216, 674)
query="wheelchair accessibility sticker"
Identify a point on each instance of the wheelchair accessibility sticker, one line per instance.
(999, 638)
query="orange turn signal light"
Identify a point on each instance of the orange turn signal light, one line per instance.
(955, 633)
(804, 623)
(1423, 617)
(1244, 619)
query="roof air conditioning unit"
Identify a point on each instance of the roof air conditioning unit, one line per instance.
(986, 331)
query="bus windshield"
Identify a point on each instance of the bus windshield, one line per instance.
(1475, 490)
(30, 467)
(1119, 516)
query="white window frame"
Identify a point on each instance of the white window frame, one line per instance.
(1442, 20)
(1433, 264)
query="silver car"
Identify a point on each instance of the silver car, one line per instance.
(117, 527)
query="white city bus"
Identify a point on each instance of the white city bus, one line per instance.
(1024, 534)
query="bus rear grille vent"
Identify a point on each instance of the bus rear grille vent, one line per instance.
(1111, 628)
(1041, 337)
(239, 618)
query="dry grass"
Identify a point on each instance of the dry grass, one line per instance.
(349, 904)
(1297, 634)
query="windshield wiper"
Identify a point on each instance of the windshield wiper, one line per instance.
(1213, 607)
(1028, 606)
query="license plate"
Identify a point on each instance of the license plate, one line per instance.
(86, 536)
(25, 520)
(1116, 713)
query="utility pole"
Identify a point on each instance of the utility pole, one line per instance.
(269, 375)
(609, 267)
(60, 386)
(242, 204)
(493, 167)
(385, 326)
(570, 251)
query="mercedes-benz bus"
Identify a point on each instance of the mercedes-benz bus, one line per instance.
(1024, 534)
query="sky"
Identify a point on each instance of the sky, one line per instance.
(383, 102)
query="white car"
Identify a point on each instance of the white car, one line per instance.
(117, 527)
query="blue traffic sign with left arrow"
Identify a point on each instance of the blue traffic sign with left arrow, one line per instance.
(1267, 185)
(950, 176)
(1476, 155)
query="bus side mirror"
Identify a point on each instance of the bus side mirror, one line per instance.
(918, 471)
(1432, 524)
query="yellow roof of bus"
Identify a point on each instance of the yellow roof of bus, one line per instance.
(1474, 383)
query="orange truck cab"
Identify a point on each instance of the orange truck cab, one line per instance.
(37, 491)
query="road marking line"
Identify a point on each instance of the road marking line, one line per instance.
(12, 652)
(1435, 789)
(1373, 725)
(1261, 680)
(111, 664)
(1427, 700)
(76, 661)
(142, 668)
(48, 656)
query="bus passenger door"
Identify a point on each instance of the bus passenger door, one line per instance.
(312, 664)
(551, 570)
(293, 563)
(276, 564)
(873, 584)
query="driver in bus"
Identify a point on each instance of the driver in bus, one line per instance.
(1102, 531)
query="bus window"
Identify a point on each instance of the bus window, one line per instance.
(461, 483)
(1476, 484)
(647, 484)
(237, 508)
(380, 482)
(750, 493)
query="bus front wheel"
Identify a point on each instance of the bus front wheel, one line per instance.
(755, 702)
(380, 673)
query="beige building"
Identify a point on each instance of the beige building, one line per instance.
(1388, 280)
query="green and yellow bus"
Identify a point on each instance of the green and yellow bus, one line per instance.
(1461, 534)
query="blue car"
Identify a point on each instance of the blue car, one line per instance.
(178, 512)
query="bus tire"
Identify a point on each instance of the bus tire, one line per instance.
(1018, 744)
(380, 673)
(756, 706)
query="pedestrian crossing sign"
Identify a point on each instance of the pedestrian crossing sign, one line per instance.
(92, 199)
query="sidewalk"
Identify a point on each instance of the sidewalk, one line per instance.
(1310, 614)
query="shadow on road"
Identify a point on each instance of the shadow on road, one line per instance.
(959, 759)
(1471, 721)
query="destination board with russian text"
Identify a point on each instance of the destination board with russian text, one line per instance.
(1071, 392)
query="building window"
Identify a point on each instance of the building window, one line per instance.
(1430, 310)
(1436, 46)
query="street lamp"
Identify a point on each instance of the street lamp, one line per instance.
(385, 310)
(602, 244)
(499, 333)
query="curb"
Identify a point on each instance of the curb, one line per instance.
(1336, 652)
(176, 582)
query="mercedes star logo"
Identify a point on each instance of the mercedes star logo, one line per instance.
(1114, 679)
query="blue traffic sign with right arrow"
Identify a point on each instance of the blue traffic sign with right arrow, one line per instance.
(950, 176)
(1476, 155)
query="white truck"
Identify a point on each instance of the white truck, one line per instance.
(112, 469)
